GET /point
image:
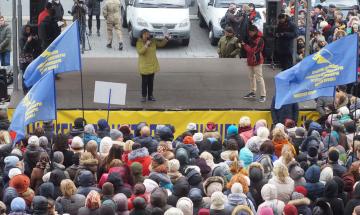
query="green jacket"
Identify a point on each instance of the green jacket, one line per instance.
(148, 63)
(5, 38)
(228, 47)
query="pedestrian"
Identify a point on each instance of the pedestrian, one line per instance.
(79, 11)
(5, 42)
(59, 11)
(255, 60)
(111, 12)
(228, 46)
(48, 30)
(94, 10)
(148, 63)
(285, 34)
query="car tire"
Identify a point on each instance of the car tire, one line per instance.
(213, 40)
(202, 23)
(123, 17)
(131, 36)
(185, 42)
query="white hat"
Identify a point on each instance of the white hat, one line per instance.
(77, 144)
(150, 185)
(33, 141)
(185, 205)
(198, 137)
(218, 200)
(105, 145)
(191, 127)
(13, 172)
(173, 211)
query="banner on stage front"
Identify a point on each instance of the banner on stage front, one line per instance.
(318, 74)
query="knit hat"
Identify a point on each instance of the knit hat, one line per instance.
(106, 208)
(265, 211)
(77, 144)
(17, 152)
(115, 134)
(174, 165)
(105, 145)
(89, 129)
(107, 189)
(246, 156)
(295, 195)
(43, 142)
(185, 205)
(295, 171)
(232, 130)
(263, 133)
(150, 185)
(9, 194)
(213, 184)
(333, 155)
(33, 141)
(198, 137)
(210, 127)
(20, 182)
(10, 161)
(58, 157)
(301, 189)
(136, 168)
(173, 211)
(158, 159)
(204, 211)
(102, 124)
(191, 127)
(290, 210)
(326, 174)
(18, 205)
(236, 188)
(218, 200)
(300, 132)
(189, 140)
(13, 172)
(253, 144)
(139, 189)
(357, 210)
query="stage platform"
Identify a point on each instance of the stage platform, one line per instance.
(182, 84)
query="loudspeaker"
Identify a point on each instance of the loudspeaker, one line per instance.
(273, 9)
(36, 6)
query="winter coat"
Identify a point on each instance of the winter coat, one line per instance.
(349, 181)
(148, 142)
(79, 13)
(314, 187)
(289, 111)
(322, 104)
(59, 11)
(218, 212)
(267, 164)
(196, 197)
(192, 150)
(148, 63)
(141, 156)
(36, 178)
(71, 205)
(284, 189)
(111, 11)
(87, 211)
(246, 135)
(254, 50)
(279, 144)
(284, 43)
(28, 51)
(338, 170)
(302, 205)
(351, 204)
(276, 205)
(330, 196)
(94, 7)
(86, 183)
(180, 189)
(72, 170)
(119, 186)
(257, 181)
(158, 199)
(48, 31)
(235, 199)
(162, 179)
(86, 165)
(68, 158)
(88, 137)
(5, 38)
(31, 157)
(240, 142)
(228, 47)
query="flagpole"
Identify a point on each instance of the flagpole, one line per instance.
(356, 98)
(331, 118)
(55, 103)
(108, 112)
(81, 74)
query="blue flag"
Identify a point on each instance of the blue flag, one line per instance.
(318, 74)
(63, 55)
(38, 105)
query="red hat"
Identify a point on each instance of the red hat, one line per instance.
(290, 210)
(189, 140)
(20, 182)
(204, 211)
(210, 126)
(302, 190)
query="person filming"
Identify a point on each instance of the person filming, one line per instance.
(79, 11)
(148, 63)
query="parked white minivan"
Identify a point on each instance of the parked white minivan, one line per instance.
(210, 13)
(159, 17)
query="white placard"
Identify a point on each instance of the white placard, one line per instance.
(102, 91)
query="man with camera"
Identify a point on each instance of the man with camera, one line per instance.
(79, 11)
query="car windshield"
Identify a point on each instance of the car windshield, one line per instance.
(160, 3)
(226, 3)
(337, 3)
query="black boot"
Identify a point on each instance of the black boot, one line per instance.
(120, 46)
(109, 46)
(90, 32)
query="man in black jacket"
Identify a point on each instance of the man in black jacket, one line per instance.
(289, 111)
(285, 34)
(48, 30)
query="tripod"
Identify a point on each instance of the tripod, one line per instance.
(81, 17)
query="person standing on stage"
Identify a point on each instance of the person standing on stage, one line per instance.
(255, 59)
(148, 63)
(111, 12)
(94, 10)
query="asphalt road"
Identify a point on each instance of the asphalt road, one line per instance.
(182, 84)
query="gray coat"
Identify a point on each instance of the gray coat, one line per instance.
(5, 38)
(71, 205)
(94, 7)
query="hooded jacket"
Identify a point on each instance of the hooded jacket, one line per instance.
(285, 189)
(40, 205)
(235, 199)
(5, 38)
(330, 196)
(314, 187)
(180, 189)
(71, 204)
(254, 51)
(148, 142)
(257, 181)
(141, 156)
(269, 194)
(158, 198)
(302, 205)
(119, 187)
(31, 157)
(351, 204)
(192, 149)
(86, 183)
(196, 197)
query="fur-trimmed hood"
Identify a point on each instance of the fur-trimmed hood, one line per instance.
(242, 208)
(138, 153)
(300, 202)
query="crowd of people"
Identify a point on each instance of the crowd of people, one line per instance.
(256, 168)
